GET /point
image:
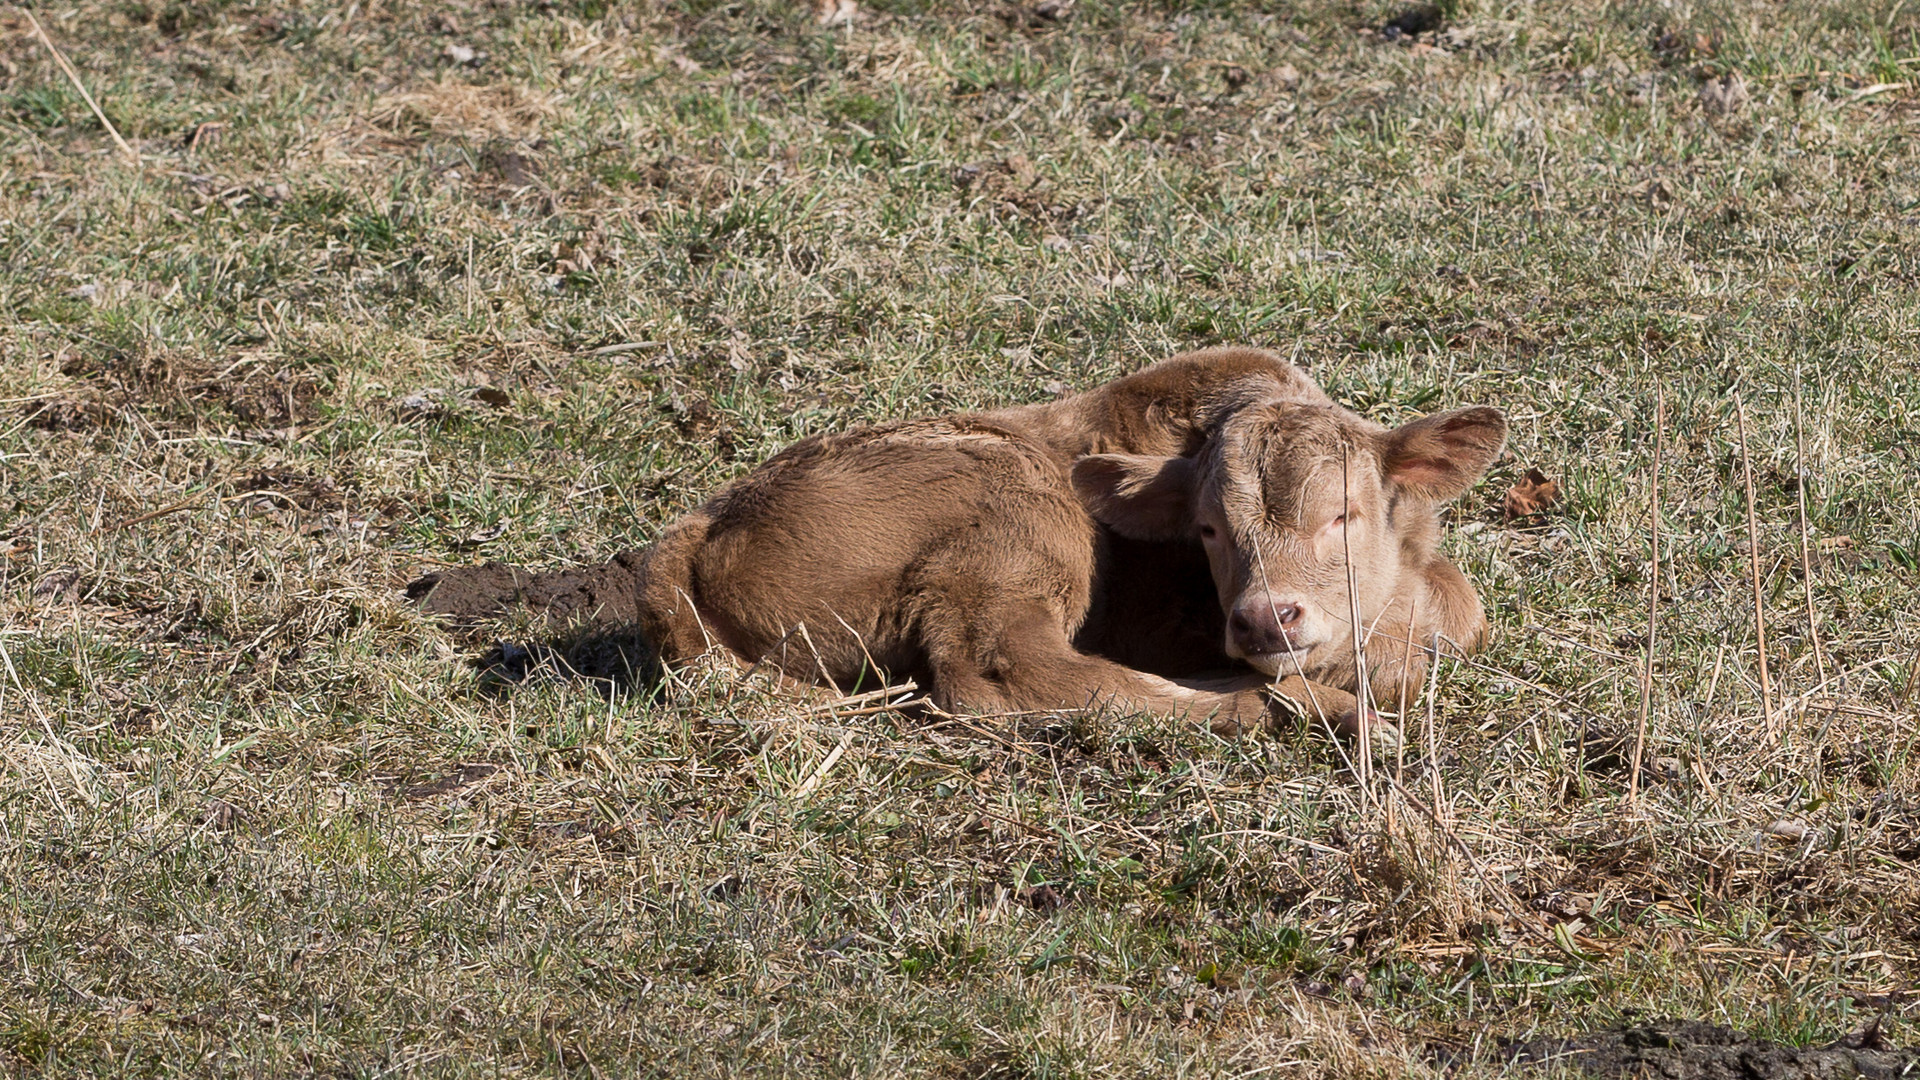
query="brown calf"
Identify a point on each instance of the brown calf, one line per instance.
(961, 552)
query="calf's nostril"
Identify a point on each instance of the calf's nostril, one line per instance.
(1255, 630)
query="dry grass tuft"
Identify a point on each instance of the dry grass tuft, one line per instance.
(1416, 884)
(459, 109)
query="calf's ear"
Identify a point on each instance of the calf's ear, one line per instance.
(1144, 498)
(1439, 457)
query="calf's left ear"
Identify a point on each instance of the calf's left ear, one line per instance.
(1144, 498)
(1439, 457)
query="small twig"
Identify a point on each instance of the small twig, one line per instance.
(1400, 716)
(162, 512)
(264, 493)
(819, 662)
(945, 718)
(826, 766)
(73, 77)
(1433, 744)
(838, 704)
(1361, 685)
(875, 710)
(1753, 562)
(1706, 710)
(623, 347)
(1653, 596)
(1713, 681)
(1806, 555)
(1913, 668)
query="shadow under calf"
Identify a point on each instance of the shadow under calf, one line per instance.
(1154, 609)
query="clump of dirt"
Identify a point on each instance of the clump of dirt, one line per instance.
(296, 488)
(175, 382)
(75, 414)
(275, 400)
(603, 596)
(1015, 187)
(1691, 1050)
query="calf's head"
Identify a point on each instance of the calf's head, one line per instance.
(1285, 496)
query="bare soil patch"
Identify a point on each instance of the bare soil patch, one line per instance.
(1690, 1050)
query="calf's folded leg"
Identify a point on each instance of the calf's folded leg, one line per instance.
(1026, 662)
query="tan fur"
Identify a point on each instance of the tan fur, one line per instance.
(957, 552)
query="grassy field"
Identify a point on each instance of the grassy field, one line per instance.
(391, 287)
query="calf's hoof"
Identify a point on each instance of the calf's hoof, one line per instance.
(1382, 736)
(1294, 701)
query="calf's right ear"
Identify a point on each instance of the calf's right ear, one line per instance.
(1143, 498)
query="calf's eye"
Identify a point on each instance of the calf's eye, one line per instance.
(1207, 532)
(1341, 520)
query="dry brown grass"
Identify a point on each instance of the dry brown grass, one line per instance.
(258, 815)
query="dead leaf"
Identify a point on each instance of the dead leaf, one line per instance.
(490, 533)
(1834, 543)
(1534, 494)
(1654, 190)
(514, 168)
(221, 815)
(686, 65)
(1043, 899)
(426, 402)
(205, 135)
(59, 587)
(492, 395)
(1789, 829)
(1725, 95)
